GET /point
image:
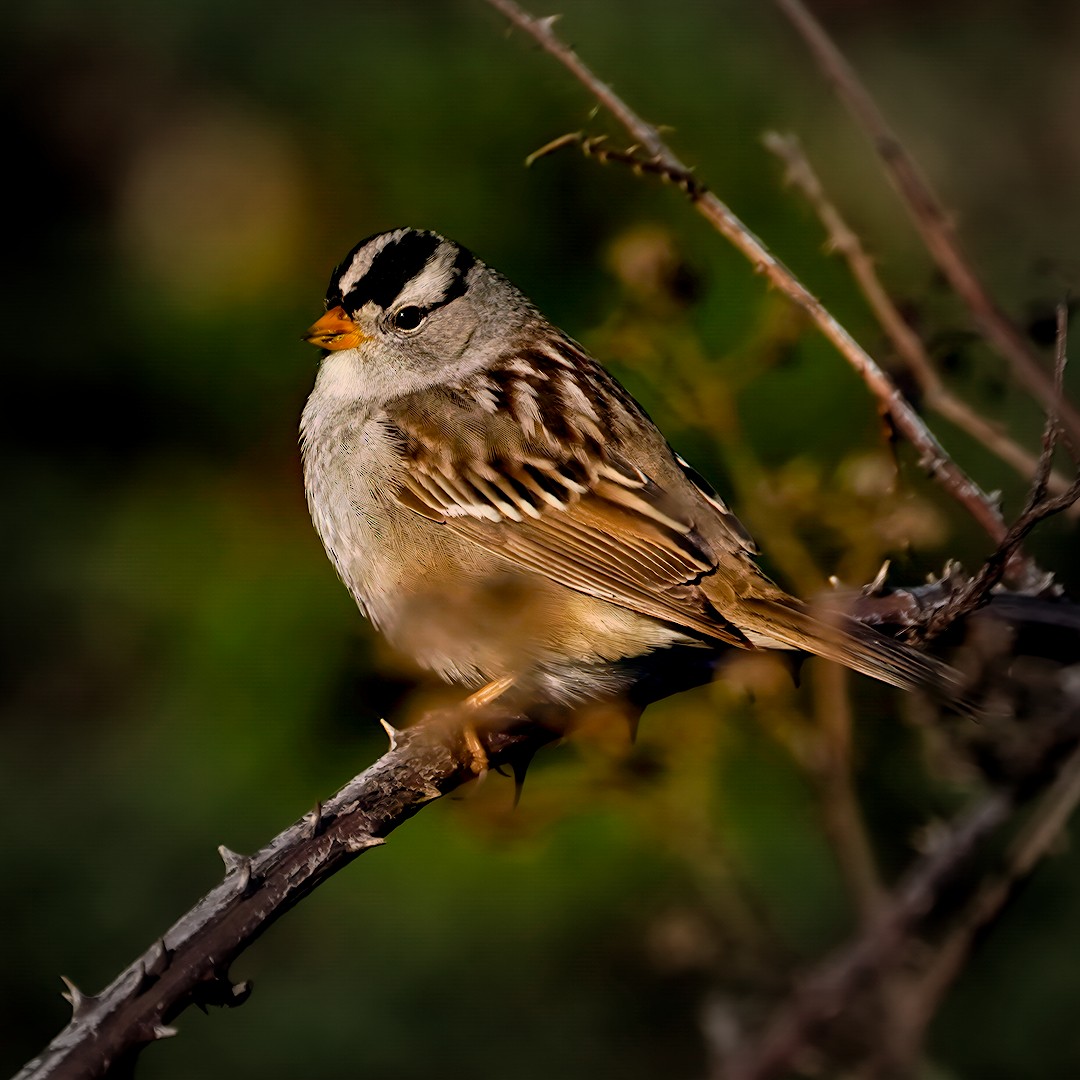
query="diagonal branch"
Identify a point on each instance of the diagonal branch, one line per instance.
(189, 964)
(842, 238)
(1032, 844)
(932, 456)
(932, 221)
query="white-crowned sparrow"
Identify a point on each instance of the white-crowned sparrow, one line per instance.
(505, 512)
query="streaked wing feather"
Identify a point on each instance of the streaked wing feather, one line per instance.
(526, 459)
(612, 537)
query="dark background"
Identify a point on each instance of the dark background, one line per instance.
(180, 667)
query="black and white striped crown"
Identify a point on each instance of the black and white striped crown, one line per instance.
(379, 268)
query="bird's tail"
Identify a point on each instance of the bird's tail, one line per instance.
(838, 637)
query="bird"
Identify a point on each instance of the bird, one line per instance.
(503, 510)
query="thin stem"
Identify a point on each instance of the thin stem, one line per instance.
(937, 396)
(932, 221)
(823, 995)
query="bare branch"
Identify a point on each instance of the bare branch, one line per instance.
(1030, 846)
(932, 221)
(932, 456)
(190, 963)
(824, 994)
(1038, 508)
(937, 396)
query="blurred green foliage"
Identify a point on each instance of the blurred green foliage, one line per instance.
(180, 667)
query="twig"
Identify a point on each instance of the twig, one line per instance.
(832, 774)
(593, 146)
(932, 221)
(883, 949)
(937, 396)
(1030, 846)
(932, 457)
(1038, 508)
(823, 995)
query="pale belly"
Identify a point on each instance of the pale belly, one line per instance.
(456, 608)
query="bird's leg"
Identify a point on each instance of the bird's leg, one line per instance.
(483, 697)
(487, 694)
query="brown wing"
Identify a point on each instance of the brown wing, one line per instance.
(485, 461)
(527, 465)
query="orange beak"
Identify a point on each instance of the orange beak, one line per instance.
(335, 330)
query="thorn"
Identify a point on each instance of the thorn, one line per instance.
(834, 581)
(133, 979)
(313, 818)
(165, 1031)
(78, 1001)
(555, 144)
(520, 766)
(72, 995)
(216, 988)
(236, 864)
(952, 572)
(876, 586)
(231, 859)
(391, 731)
(160, 956)
(547, 22)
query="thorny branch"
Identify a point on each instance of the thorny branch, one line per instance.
(657, 156)
(189, 964)
(932, 221)
(895, 949)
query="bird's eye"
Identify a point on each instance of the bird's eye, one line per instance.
(408, 318)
